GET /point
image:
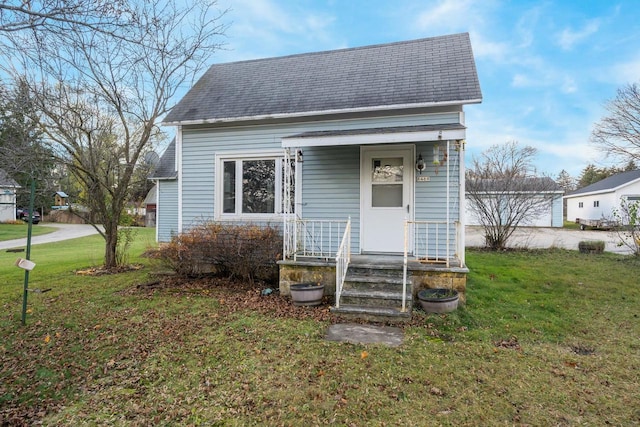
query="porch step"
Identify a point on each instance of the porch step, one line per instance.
(372, 298)
(372, 313)
(374, 293)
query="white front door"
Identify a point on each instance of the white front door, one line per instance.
(387, 196)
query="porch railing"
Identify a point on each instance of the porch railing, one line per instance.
(433, 241)
(343, 258)
(429, 241)
(314, 238)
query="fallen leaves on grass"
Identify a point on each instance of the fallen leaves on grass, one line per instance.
(511, 343)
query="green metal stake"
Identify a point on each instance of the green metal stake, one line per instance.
(26, 272)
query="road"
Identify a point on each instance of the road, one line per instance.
(531, 237)
(63, 232)
(524, 237)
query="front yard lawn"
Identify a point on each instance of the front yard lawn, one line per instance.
(19, 231)
(546, 338)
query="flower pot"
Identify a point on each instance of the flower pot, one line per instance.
(438, 300)
(307, 293)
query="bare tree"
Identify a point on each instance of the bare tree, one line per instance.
(504, 191)
(100, 95)
(59, 15)
(627, 218)
(618, 133)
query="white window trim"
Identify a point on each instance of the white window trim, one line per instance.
(219, 215)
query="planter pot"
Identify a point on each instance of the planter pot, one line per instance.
(307, 293)
(438, 300)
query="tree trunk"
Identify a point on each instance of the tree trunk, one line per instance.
(111, 244)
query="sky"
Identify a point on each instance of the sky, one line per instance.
(546, 68)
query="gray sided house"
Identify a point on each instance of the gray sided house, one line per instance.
(357, 153)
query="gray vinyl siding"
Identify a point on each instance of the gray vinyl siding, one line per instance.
(331, 187)
(431, 196)
(167, 214)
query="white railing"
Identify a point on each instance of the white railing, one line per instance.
(432, 241)
(314, 238)
(429, 241)
(343, 258)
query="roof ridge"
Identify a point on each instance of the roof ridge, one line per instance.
(345, 49)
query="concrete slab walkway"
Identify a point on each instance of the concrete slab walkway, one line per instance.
(365, 334)
(63, 232)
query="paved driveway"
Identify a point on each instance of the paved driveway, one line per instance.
(543, 237)
(63, 232)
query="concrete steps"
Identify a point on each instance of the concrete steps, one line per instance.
(374, 293)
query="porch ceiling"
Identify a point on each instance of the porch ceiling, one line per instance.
(389, 135)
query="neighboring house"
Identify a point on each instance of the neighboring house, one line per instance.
(598, 200)
(371, 137)
(548, 214)
(7, 197)
(150, 207)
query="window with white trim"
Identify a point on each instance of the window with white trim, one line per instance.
(596, 204)
(250, 186)
(580, 204)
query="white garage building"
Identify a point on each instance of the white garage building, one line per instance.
(597, 201)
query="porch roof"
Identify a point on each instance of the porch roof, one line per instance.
(399, 134)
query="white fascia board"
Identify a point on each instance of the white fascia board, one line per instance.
(590, 193)
(321, 112)
(373, 138)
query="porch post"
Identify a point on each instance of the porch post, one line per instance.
(448, 202)
(463, 206)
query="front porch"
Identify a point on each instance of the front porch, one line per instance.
(376, 287)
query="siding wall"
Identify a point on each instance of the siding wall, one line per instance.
(331, 175)
(431, 196)
(167, 214)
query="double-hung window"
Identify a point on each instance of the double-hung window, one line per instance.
(250, 186)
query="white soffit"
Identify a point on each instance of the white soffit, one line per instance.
(374, 136)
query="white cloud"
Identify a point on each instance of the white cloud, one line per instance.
(625, 72)
(569, 38)
(446, 14)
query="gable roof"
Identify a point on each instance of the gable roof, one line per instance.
(410, 74)
(608, 184)
(6, 180)
(167, 166)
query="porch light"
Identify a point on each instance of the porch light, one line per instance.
(420, 164)
(299, 156)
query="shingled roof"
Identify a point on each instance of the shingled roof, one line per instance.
(608, 184)
(6, 180)
(418, 73)
(167, 167)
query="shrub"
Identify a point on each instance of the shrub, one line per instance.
(245, 251)
(591, 246)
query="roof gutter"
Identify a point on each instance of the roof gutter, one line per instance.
(321, 112)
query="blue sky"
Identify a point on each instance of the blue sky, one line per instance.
(546, 68)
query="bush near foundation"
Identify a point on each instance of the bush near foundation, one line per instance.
(245, 251)
(591, 246)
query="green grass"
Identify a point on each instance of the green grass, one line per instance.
(571, 225)
(546, 338)
(19, 231)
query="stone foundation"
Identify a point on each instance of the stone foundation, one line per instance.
(420, 276)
